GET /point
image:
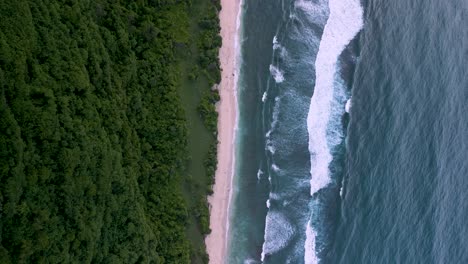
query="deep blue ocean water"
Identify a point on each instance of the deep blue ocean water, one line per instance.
(386, 182)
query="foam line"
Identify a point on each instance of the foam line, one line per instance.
(310, 256)
(348, 105)
(277, 74)
(344, 22)
(278, 233)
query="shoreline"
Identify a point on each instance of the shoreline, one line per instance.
(217, 241)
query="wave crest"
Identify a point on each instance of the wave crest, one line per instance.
(344, 22)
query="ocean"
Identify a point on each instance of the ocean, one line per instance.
(352, 140)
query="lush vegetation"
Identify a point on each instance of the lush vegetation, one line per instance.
(199, 94)
(92, 132)
(208, 43)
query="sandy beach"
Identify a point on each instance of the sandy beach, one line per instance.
(216, 242)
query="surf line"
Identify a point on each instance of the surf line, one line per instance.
(344, 22)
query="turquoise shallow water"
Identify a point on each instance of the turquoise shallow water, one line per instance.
(248, 208)
(394, 187)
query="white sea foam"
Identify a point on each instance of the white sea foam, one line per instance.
(342, 187)
(274, 196)
(269, 144)
(343, 24)
(278, 47)
(276, 110)
(274, 122)
(275, 167)
(271, 149)
(275, 42)
(348, 105)
(250, 261)
(317, 11)
(278, 232)
(268, 203)
(259, 174)
(277, 74)
(310, 255)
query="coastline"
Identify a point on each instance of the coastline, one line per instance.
(216, 242)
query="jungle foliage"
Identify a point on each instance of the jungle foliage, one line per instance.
(92, 131)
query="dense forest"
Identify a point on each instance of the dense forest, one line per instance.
(92, 130)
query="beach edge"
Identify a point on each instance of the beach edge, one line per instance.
(217, 241)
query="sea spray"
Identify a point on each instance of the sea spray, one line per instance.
(316, 11)
(275, 167)
(348, 105)
(277, 74)
(279, 236)
(277, 47)
(286, 101)
(259, 174)
(343, 24)
(309, 254)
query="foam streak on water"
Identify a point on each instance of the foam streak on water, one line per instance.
(348, 105)
(277, 74)
(310, 256)
(343, 24)
(279, 236)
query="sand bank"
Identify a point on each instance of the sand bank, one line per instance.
(216, 242)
